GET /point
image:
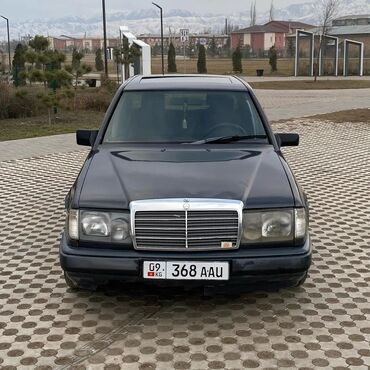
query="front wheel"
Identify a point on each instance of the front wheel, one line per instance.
(76, 283)
(303, 280)
(70, 283)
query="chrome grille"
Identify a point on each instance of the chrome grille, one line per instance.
(166, 225)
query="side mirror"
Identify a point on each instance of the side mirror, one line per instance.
(86, 137)
(287, 139)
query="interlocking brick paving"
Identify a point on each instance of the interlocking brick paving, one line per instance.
(323, 324)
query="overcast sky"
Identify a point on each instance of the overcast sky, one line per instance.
(26, 9)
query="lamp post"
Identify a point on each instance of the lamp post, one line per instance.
(161, 10)
(105, 41)
(7, 27)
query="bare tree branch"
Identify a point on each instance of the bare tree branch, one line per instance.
(272, 11)
(327, 10)
(253, 14)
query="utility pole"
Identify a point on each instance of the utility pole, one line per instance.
(162, 43)
(7, 27)
(105, 40)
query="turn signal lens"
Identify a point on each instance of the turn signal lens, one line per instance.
(73, 224)
(300, 223)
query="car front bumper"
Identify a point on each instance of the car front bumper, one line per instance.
(265, 265)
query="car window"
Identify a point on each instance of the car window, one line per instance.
(182, 116)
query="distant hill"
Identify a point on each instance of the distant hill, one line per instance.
(146, 20)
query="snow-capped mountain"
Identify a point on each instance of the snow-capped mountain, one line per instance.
(146, 20)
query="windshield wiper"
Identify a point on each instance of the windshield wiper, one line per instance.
(228, 139)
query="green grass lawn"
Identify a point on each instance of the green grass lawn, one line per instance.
(66, 122)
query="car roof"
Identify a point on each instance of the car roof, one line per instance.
(185, 82)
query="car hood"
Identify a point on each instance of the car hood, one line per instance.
(116, 177)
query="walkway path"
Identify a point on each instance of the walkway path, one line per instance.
(279, 105)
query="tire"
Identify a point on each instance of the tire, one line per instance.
(80, 284)
(70, 283)
(303, 280)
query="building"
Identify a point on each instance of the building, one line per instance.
(194, 39)
(89, 44)
(352, 20)
(351, 27)
(260, 38)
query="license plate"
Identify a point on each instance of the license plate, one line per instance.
(186, 270)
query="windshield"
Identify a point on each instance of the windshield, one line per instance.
(183, 116)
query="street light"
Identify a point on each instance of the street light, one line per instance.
(7, 27)
(160, 8)
(105, 40)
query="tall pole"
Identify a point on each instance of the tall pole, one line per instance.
(7, 27)
(162, 42)
(105, 40)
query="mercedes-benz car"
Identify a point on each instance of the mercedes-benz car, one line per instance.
(186, 183)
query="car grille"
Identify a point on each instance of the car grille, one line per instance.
(186, 229)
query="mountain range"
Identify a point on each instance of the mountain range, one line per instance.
(147, 20)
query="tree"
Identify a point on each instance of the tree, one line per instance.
(246, 51)
(272, 11)
(202, 60)
(19, 61)
(273, 58)
(77, 69)
(45, 66)
(99, 64)
(2, 64)
(50, 99)
(39, 43)
(126, 55)
(156, 49)
(253, 14)
(213, 49)
(327, 10)
(76, 58)
(171, 68)
(237, 60)
(290, 47)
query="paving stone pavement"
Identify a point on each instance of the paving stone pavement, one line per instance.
(38, 146)
(286, 104)
(324, 324)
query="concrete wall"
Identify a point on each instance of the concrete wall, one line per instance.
(280, 41)
(269, 40)
(247, 39)
(257, 41)
(236, 40)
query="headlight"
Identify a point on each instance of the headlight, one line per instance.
(95, 223)
(119, 229)
(109, 227)
(285, 225)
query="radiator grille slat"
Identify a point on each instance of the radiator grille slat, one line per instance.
(186, 230)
